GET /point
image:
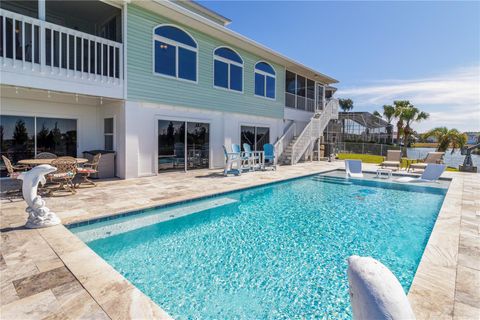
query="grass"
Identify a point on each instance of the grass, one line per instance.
(425, 145)
(370, 158)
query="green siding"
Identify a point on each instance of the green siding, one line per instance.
(144, 85)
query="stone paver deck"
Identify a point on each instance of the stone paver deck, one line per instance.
(50, 274)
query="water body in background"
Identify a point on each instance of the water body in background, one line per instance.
(452, 160)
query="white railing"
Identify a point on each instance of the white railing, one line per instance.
(282, 143)
(313, 130)
(39, 46)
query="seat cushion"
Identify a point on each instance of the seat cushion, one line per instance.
(14, 175)
(86, 170)
(61, 175)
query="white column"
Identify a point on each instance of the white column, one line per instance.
(43, 39)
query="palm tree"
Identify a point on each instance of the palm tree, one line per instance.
(446, 138)
(399, 106)
(409, 115)
(346, 104)
(389, 115)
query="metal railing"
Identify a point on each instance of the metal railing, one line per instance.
(365, 148)
(32, 44)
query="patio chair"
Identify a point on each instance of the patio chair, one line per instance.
(269, 154)
(394, 157)
(88, 169)
(254, 159)
(432, 157)
(353, 168)
(14, 171)
(432, 173)
(46, 155)
(66, 171)
(232, 158)
(245, 159)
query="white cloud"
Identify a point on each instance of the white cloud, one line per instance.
(452, 99)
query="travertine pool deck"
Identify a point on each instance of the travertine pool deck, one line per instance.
(50, 274)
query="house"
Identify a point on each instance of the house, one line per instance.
(473, 137)
(162, 83)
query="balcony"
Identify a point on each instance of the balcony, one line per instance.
(299, 102)
(39, 54)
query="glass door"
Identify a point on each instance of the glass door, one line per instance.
(171, 145)
(198, 147)
(256, 137)
(183, 145)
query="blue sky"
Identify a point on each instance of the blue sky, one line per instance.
(427, 52)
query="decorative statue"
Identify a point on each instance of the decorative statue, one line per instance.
(375, 292)
(39, 216)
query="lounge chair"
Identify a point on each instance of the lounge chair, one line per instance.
(245, 159)
(230, 159)
(353, 168)
(394, 157)
(432, 157)
(269, 154)
(432, 172)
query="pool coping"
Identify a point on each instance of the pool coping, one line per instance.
(111, 290)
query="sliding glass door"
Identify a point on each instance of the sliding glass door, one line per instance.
(256, 137)
(174, 142)
(24, 137)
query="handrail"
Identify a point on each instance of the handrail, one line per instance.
(285, 139)
(313, 130)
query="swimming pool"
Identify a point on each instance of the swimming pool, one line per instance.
(277, 251)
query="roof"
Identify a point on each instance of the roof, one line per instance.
(366, 119)
(203, 11)
(191, 18)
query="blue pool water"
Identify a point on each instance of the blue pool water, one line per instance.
(274, 252)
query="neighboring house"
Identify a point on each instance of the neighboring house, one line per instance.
(162, 83)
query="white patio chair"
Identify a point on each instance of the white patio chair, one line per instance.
(353, 168)
(432, 173)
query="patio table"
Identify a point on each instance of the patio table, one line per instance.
(36, 162)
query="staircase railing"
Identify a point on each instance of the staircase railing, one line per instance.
(284, 141)
(314, 130)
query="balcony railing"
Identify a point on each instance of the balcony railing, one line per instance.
(34, 45)
(299, 102)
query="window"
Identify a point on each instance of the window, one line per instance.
(24, 137)
(175, 53)
(108, 133)
(264, 80)
(299, 92)
(256, 137)
(228, 69)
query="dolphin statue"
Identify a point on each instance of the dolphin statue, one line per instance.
(39, 215)
(375, 293)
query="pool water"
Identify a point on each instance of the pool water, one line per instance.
(273, 252)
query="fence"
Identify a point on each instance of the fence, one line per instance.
(365, 148)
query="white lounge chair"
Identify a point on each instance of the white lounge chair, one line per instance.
(432, 172)
(353, 168)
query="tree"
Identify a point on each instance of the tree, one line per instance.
(399, 106)
(445, 138)
(411, 114)
(388, 115)
(20, 134)
(346, 104)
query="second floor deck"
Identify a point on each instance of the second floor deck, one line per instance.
(67, 55)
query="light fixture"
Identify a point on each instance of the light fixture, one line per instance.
(101, 100)
(16, 90)
(49, 94)
(76, 97)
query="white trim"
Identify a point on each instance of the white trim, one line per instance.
(265, 74)
(175, 44)
(228, 62)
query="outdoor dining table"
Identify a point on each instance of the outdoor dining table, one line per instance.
(36, 162)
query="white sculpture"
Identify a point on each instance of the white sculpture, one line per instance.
(39, 216)
(375, 292)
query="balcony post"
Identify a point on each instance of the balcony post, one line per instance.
(42, 17)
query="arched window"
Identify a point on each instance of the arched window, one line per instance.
(264, 80)
(175, 53)
(228, 69)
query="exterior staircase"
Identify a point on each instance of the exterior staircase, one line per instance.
(291, 148)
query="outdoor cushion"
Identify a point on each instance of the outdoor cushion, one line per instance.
(14, 175)
(86, 170)
(391, 163)
(61, 175)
